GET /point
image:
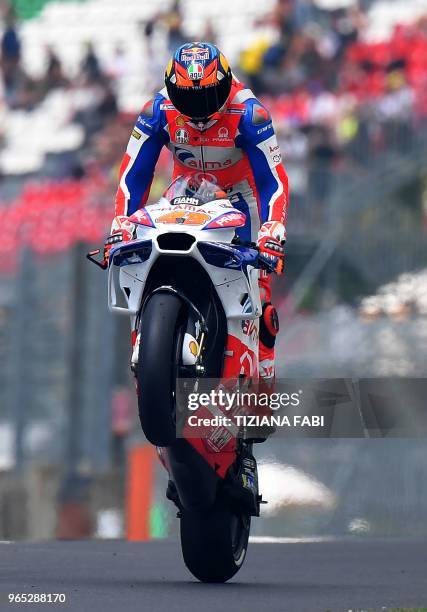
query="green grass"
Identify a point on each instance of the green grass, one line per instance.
(27, 9)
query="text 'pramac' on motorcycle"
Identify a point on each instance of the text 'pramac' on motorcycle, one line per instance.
(190, 288)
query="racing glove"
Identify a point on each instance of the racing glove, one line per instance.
(271, 240)
(122, 230)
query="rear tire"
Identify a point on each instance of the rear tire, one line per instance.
(158, 361)
(214, 543)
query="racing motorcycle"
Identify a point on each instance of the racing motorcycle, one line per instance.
(190, 288)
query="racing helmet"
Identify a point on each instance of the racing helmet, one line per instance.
(198, 80)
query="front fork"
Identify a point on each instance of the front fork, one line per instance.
(194, 337)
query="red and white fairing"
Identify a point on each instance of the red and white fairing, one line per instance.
(214, 221)
(219, 214)
(237, 288)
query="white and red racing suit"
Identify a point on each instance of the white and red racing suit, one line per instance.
(237, 149)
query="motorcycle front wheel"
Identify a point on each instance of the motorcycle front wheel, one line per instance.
(160, 347)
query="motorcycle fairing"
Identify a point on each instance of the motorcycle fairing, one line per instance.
(234, 275)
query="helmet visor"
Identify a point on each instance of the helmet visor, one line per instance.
(199, 103)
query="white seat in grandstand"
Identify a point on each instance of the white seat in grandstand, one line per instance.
(29, 136)
(384, 14)
(69, 138)
(20, 162)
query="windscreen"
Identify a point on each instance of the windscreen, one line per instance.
(198, 191)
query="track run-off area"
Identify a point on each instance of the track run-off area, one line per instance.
(279, 574)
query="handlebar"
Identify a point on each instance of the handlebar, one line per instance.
(264, 261)
(245, 243)
(91, 257)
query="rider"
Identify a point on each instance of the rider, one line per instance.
(215, 128)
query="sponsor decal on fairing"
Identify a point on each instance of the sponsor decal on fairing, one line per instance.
(142, 217)
(185, 200)
(250, 329)
(182, 217)
(231, 219)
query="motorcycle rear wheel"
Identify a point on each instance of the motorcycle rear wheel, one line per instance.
(214, 543)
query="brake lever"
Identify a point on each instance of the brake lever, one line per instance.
(100, 263)
(266, 263)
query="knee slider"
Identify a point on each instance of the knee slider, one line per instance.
(269, 325)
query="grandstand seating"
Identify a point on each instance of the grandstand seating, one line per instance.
(50, 216)
(31, 135)
(67, 26)
(384, 14)
(27, 9)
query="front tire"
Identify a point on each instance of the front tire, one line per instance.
(158, 360)
(214, 543)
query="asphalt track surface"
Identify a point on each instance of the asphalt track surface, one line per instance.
(113, 575)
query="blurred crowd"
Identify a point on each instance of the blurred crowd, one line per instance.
(303, 50)
(399, 300)
(329, 91)
(93, 89)
(22, 91)
(337, 100)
